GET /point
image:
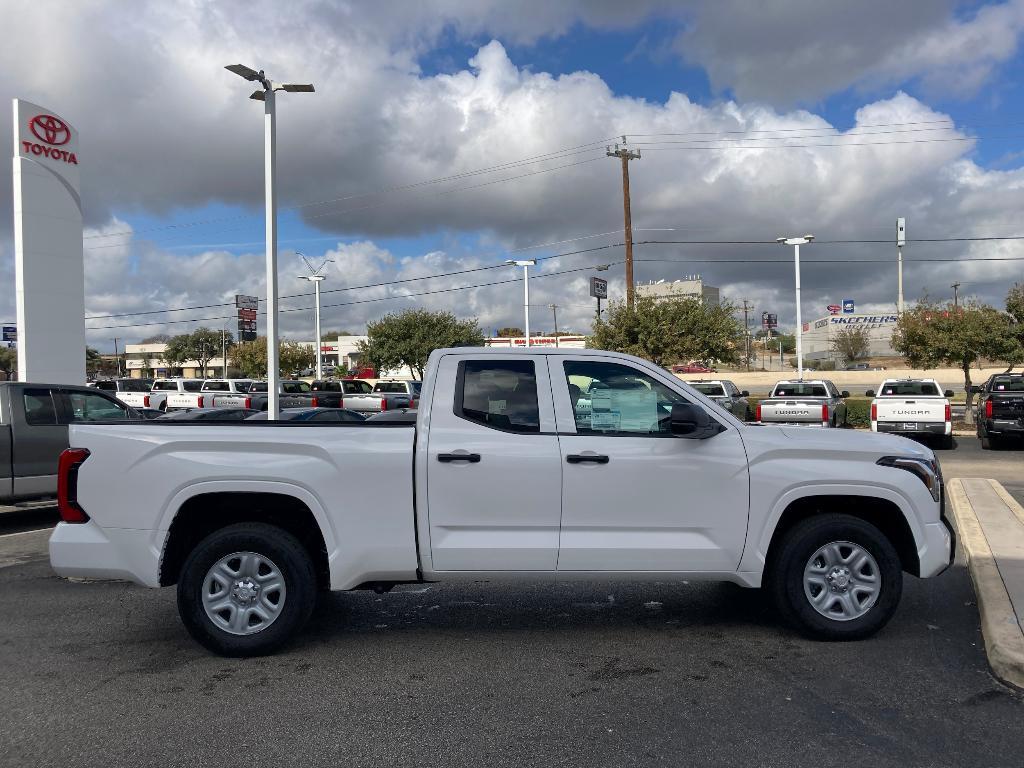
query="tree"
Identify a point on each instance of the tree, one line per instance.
(408, 338)
(93, 360)
(8, 361)
(332, 335)
(1015, 308)
(159, 338)
(510, 332)
(852, 343)
(202, 345)
(671, 330)
(251, 357)
(934, 334)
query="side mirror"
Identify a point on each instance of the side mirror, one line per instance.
(844, 393)
(869, 393)
(744, 393)
(948, 393)
(976, 389)
(692, 421)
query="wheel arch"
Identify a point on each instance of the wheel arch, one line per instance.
(205, 511)
(885, 514)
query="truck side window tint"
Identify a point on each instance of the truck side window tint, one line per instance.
(499, 393)
(609, 398)
(39, 408)
(86, 406)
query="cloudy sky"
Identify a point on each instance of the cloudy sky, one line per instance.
(445, 137)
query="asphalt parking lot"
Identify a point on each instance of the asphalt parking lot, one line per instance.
(500, 674)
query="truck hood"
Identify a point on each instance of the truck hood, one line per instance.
(855, 441)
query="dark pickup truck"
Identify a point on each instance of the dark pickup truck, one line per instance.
(34, 421)
(1000, 409)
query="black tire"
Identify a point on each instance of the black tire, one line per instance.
(290, 557)
(989, 444)
(785, 577)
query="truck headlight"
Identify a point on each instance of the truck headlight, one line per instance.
(927, 469)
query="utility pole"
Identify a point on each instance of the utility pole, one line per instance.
(747, 309)
(554, 318)
(117, 358)
(956, 294)
(223, 353)
(625, 155)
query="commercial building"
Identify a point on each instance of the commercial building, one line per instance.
(819, 335)
(688, 287)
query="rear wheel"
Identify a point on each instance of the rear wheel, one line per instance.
(989, 443)
(245, 589)
(836, 577)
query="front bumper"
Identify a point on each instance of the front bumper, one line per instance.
(85, 550)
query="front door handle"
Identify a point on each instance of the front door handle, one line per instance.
(472, 458)
(589, 458)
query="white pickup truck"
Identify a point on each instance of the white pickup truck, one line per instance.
(505, 475)
(913, 407)
(156, 397)
(207, 393)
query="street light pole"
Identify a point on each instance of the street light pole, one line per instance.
(525, 264)
(796, 242)
(315, 277)
(268, 97)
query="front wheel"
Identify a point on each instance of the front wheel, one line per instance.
(836, 577)
(246, 589)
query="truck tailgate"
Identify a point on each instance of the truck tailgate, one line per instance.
(1007, 406)
(794, 411)
(912, 410)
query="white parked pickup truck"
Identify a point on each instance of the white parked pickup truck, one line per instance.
(156, 397)
(913, 407)
(204, 398)
(649, 481)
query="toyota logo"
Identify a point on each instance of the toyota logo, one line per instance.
(50, 129)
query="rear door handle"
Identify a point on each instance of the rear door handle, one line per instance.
(590, 458)
(472, 458)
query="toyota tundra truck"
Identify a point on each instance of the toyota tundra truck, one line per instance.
(501, 477)
(803, 403)
(913, 407)
(207, 394)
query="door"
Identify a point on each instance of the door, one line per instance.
(39, 438)
(635, 497)
(493, 467)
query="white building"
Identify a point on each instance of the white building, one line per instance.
(688, 287)
(819, 334)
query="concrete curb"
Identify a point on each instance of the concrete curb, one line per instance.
(1004, 639)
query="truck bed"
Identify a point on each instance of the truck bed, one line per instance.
(355, 478)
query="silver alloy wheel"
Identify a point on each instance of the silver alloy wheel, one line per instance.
(243, 593)
(842, 581)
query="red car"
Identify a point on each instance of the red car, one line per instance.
(692, 368)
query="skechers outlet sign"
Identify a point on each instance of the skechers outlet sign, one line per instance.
(864, 321)
(51, 134)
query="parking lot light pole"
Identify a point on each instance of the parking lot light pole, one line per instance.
(525, 264)
(315, 277)
(796, 242)
(268, 97)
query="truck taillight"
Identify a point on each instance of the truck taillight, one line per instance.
(199, 402)
(248, 402)
(383, 403)
(67, 485)
(988, 409)
(145, 401)
(757, 413)
(874, 411)
(315, 402)
(824, 411)
(341, 403)
(949, 412)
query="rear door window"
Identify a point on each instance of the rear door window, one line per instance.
(501, 394)
(40, 409)
(91, 406)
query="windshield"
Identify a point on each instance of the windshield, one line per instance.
(909, 389)
(711, 390)
(1008, 384)
(800, 390)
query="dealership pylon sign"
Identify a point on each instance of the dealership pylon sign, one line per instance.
(49, 269)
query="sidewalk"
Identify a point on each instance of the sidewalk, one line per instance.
(990, 524)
